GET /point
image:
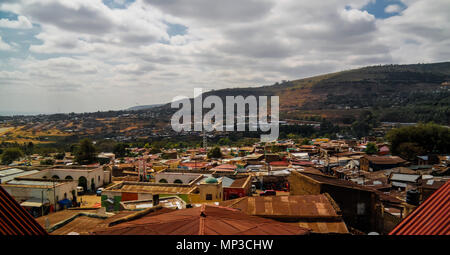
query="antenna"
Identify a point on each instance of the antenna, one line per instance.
(205, 141)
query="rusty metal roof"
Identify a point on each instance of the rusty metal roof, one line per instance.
(204, 220)
(84, 223)
(298, 206)
(153, 188)
(241, 182)
(432, 217)
(337, 227)
(157, 189)
(14, 219)
(315, 212)
(384, 160)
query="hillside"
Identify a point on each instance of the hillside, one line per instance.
(397, 93)
(143, 107)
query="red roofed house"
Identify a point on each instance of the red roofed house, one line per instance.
(240, 187)
(14, 219)
(224, 168)
(194, 165)
(432, 217)
(203, 220)
(279, 163)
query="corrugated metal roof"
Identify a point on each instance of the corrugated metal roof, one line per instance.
(405, 177)
(204, 220)
(300, 206)
(432, 217)
(19, 174)
(14, 219)
(385, 160)
(10, 171)
(160, 189)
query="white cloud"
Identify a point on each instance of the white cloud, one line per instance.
(128, 56)
(393, 8)
(21, 23)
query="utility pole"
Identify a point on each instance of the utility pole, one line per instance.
(42, 202)
(54, 193)
(205, 142)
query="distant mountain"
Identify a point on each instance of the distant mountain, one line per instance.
(143, 107)
(399, 93)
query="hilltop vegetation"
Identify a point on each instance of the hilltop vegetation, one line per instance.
(397, 93)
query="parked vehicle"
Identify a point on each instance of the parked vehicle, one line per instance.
(268, 192)
(99, 191)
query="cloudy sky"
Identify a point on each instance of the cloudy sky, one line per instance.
(90, 55)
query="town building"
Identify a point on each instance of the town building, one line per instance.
(203, 220)
(376, 163)
(316, 212)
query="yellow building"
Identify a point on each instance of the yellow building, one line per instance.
(210, 190)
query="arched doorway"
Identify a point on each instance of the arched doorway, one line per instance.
(163, 181)
(82, 182)
(69, 177)
(55, 177)
(178, 181)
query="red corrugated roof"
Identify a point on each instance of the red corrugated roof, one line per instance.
(432, 217)
(279, 163)
(14, 219)
(204, 220)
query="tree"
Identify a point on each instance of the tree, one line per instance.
(10, 155)
(47, 162)
(85, 153)
(60, 156)
(420, 139)
(215, 153)
(371, 148)
(120, 150)
(306, 141)
(410, 151)
(224, 141)
(28, 147)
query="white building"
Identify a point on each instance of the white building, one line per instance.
(90, 178)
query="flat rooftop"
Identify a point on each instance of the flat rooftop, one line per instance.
(152, 188)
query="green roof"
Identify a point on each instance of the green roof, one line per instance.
(211, 180)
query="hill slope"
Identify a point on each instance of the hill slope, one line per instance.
(399, 93)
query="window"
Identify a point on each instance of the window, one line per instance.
(208, 196)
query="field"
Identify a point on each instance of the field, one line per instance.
(21, 134)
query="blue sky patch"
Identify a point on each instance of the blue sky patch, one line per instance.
(118, 4)
(8, 15)
(377, 8)
(176, 29)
